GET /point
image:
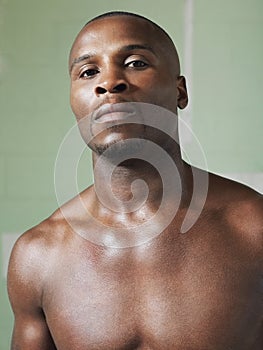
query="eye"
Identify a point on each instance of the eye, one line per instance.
(88, 73)
(136, 64)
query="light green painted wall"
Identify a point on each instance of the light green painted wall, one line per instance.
(35, 37)
(228, 80)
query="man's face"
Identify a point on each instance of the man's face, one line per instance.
(122, 59)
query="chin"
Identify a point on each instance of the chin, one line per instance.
(119, 139)
(119, 151)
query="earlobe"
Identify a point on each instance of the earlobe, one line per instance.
(182, 96)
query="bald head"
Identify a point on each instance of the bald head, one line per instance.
(134, 15)
(157, 32)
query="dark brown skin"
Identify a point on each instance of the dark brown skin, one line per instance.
(199, 290)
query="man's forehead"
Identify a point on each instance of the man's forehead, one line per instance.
(118, 27)
(123, 30)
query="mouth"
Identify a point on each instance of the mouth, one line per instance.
(112, 112)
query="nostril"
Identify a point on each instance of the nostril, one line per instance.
(100, 90)
(120, 87)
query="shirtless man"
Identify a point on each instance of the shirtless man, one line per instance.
(200, 290)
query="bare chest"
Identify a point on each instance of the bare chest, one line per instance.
(180, 303)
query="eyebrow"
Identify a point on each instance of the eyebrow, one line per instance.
(125, 48)
(80, 59)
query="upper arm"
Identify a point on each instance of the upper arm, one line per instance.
(31, 332)
(25, 287)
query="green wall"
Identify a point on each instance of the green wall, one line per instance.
(35, 38)
(228, 80)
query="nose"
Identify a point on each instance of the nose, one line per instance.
(111, 84)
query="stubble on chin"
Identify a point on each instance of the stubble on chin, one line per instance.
(121, 149)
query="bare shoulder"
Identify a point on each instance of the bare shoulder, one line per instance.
(51, 234)
(38, 249)
(44, 240)
(31, 258)
(241, 208)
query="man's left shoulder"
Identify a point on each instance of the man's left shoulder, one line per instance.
(244, 215)
(240, 209)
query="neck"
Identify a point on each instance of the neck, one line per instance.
(138, 185)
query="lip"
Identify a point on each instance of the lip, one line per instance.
(111, 112)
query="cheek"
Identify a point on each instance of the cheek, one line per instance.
(80, 101)
(163, 93)
(160, 82)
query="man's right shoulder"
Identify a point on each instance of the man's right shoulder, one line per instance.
(35, 245)
(29, 264)
(45, 234)
(51, 236)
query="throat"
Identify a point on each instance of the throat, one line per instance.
(136, 188)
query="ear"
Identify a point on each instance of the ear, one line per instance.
(182, 97)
